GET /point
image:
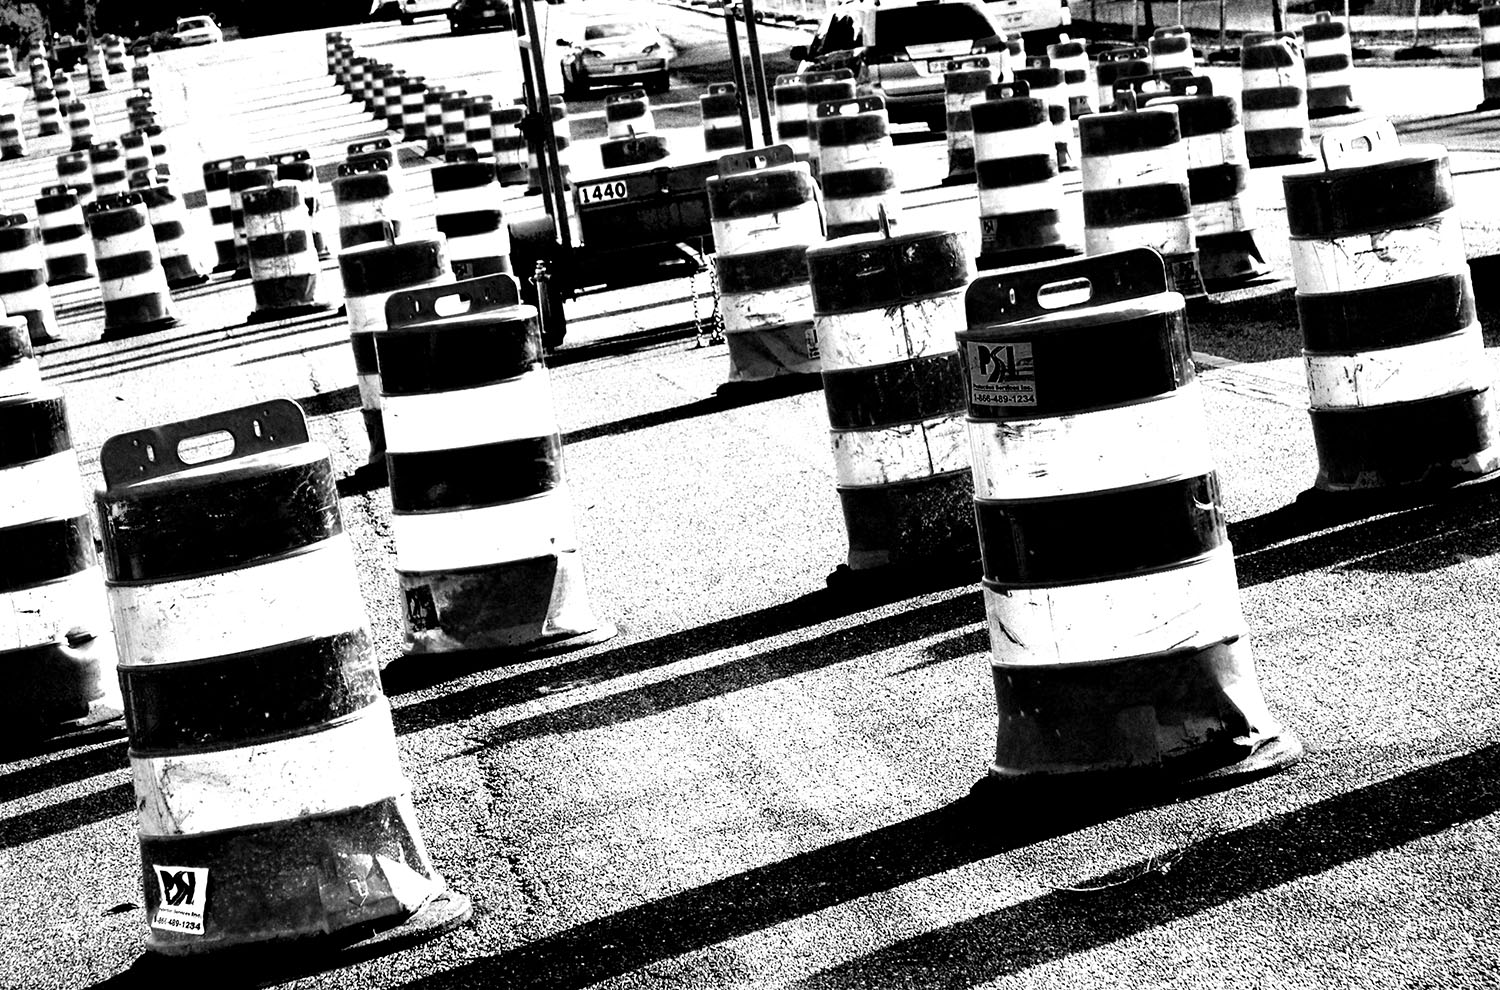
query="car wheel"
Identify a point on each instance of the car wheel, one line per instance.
(407, 20)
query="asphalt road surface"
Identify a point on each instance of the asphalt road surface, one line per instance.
(761, 782)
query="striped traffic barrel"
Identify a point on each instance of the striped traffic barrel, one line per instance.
(391, 89)
(98, 75)
(561, 131)
(138, 159)
(283, 258)
(12, 140)
(1400, 389)
(1046, 83)
(297, 166)
(1489, 55)
(7, 62)
(139, 110)
(456, 120)
(1020, 188)
(1118, 646)
(1218, 174)
(38, 67)
(80, 124)
(359, 71)
(764, 211)
(467, 208)
(371, 272)
(140, 74)
(248, 176)
(48, 113)
(486, 552)
(1273, 98)
(510, 144)
(479, 133)
(789, 94)
(719, 109)
(854, 166)
(107, 167)
(834, 86)
(55, 638)
(221, 217)
(23, 277)
(1119, 67)
(1330, 67)
(62, 85)
(270, 800)
(964, 83)
(369, 207)
(181, 239)
(1071, 58)
(1171, 51)
(131, 280)
(65, 236)
(373, 94)
(886, 310)
(432, 118)
(114, 54)
(414, 109)
(627, 112)
(1135, 189)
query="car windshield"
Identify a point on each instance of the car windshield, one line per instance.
(192, 22)
(905, 27)
(843, 34)
(613, 29)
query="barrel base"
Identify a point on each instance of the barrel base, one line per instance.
(911, 521)
(539, 605)
(120, 331)
(287, 312)
(1229, 258)
(1172, 718)
(56, 688)
(512, 175)
(1432, 443)
(187, 281)
(1024, 256)
(757, 355)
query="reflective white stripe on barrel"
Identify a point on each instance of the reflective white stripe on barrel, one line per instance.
(534, 527)
(1364, 260)
(515, 409)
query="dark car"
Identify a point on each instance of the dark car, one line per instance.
(481, 15)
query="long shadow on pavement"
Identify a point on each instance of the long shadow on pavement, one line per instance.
(65, 770)
(1209, 873)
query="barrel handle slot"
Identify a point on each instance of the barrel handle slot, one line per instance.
(158, 451)
(1061, 295)
(752, 161)
(471, 296)
(1023, 293)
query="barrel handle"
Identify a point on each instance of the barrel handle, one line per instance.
(374, 144)
(632, 95)
(1023, 293)
(1191, 85)
(847, 108)
(825, 75)
(720, 89)
(967, 62)
(498, 291)
(750, 161)
(1014, 90)
(144, 455)
(1370, 139)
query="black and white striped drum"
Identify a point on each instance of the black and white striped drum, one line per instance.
(1489, 55)
(269, 791)
(1118, 642)
(73, 171)
(1330, 67)
(62, 86)
(1021, 204)
(853, 143)
(1072, 59)
(1400, 389)
(964, 83)
(23, 277)
(80, 124)
(486, 552)
(432, 108)
(835, 86)
(1218, 175)
(886, 310)
(48, 112)
(65, 236)
(55, 639)
(1135, 189)
(220, 213)
(456, 120)
(138, 159)
(1121, 67)
(391, 90)
(1171, 51)
(368, 203)
(98, 75)
(252, 175)
(131, 280)
(371, 272)
(628, 112)
(764, 211)
(12, 139)
(719, 109)
(1273, 97)
(1046, 83)
(510, 144)
(479, 134)
(414, 109)
(467, 208)
(297, 166)
(561, 133)
(181, 240)
(107, 166)
(789, 93)
(283, 258)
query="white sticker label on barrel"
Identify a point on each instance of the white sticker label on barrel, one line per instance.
(183, 892)
(1001, 374)
(812, 343)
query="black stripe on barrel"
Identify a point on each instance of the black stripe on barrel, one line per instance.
(1127, 531)
(1121, 133)
(1272, 98)
(1002, 173)
(1376, 196)
(1134, 204)
(1403, 442)
(762, 271)
(469, 224)
(363, 188)
(852, 277)
(457, 176)
(1216, 183)
(1387, 315)
(279, 244)
(758, 193)
(45, 550)
(127, 265)
(106, 222)
(474, 477)
(15, 347)
(20, 281)
(32, 426)
(856, 182)
(419, 362)
(890, 394)
(837, 130)
(257, 696)
(1132, 358)
(180, 530)
(391, 266)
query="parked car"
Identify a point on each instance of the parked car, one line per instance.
(407, 11)
(199, 30)
(616, 51)
(481, 15)
(900, 49)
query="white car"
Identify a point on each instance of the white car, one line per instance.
(616, 51)
(407, 11)
(200, 30)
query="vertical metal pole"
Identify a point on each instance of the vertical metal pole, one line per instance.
(1179, 13)
(1223, 25)
(1416, 22)
(741, 90)
(758, 68)
(549, 137)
